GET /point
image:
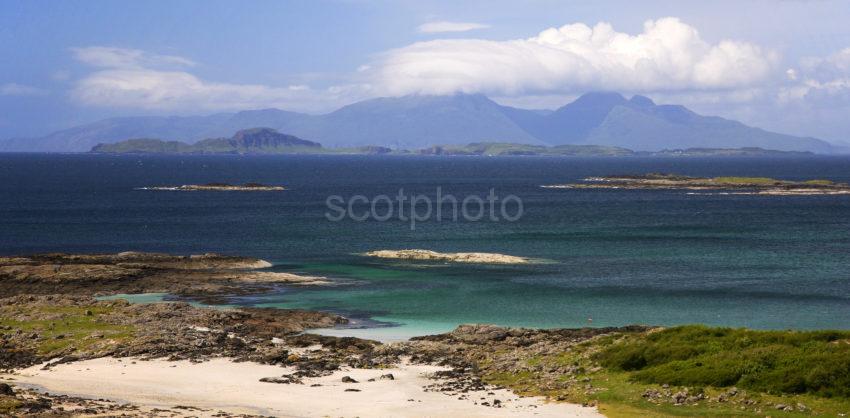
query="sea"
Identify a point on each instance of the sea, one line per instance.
(603, 257)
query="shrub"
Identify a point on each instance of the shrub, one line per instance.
(816, 362)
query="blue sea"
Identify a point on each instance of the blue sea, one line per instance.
(613, 257)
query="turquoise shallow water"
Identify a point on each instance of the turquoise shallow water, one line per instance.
(618, 257)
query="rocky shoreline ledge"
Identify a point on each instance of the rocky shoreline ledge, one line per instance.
(206, 276)
(428, 255)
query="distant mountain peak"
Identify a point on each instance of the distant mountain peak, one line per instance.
(599, 98)
(641, 101)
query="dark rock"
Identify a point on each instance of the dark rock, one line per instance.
(5, 389)
(348, 379)
(285, 379)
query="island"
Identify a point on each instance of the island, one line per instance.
(246, 141)
(217, 187)
(267, 141)
(728, 184)
(427, 255)
(493, 149)
(511, 149)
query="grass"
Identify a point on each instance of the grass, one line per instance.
(61, 330)
(747, 180)
(64, 328)
(768, 367)
(8, 405)
(780, 362)
(767, 181)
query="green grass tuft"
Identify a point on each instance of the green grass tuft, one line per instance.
(789, 362)
(8, 405)
(747, 180)
(64, 328)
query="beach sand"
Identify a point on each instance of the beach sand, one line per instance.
(221, 384)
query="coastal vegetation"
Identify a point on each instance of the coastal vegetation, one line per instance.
(64, 328)
(746, 180)
(698, 371)
(778, 362)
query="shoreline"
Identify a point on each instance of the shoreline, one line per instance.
(235, 387)
(198, 360)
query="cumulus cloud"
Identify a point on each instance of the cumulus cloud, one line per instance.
(444, 26)
(137, 79)
(820, 81)
(667, 55)
(15, 89)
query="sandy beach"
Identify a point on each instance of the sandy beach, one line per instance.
(224, 385)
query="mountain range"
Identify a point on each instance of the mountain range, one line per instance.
(420, 121)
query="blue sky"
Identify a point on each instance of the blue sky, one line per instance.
(781, 65)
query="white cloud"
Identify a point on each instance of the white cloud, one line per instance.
(15, 89)
(820, 81)
(129, 78)
(668, 55)
(110, 57)
(60, 75)
(444, 26)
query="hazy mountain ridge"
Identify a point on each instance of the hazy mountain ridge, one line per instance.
(418, 121)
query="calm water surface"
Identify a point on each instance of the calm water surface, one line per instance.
(617, 256)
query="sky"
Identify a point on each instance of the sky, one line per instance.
(780, 65)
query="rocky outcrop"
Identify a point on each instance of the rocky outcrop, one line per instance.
(135, 272)
(217, 187)
(87, 328)
(427, 255)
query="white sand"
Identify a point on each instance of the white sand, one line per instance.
(235, 387)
